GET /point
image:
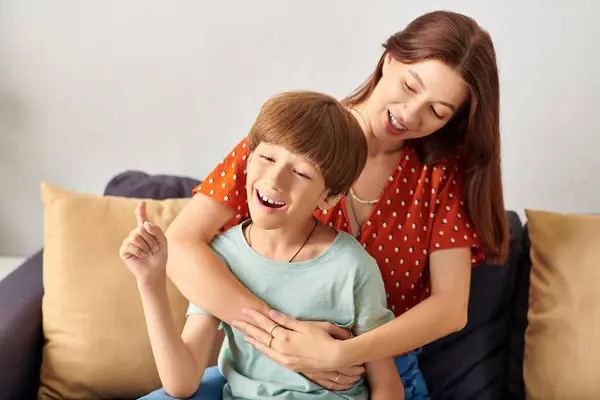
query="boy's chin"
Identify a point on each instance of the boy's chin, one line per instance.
(269, 224)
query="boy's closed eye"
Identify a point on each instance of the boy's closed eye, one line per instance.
(267, 158)
(302, 174)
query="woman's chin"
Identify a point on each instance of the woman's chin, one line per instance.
(389, 140)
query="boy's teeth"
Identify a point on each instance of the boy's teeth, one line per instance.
(270, 201)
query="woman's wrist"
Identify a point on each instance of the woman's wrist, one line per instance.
(340, 354)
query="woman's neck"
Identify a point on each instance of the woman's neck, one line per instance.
(280, 244)
(376, 148)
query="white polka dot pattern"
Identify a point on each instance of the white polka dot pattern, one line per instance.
(420, 211)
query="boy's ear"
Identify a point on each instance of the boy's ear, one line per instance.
(329, 201)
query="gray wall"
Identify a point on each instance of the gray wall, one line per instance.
(90, 88)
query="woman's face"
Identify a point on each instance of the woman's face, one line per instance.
(413, 100)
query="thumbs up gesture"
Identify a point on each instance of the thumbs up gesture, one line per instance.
(144, 251)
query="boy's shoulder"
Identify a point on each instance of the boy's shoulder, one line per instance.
(352, 254)
(228, 241)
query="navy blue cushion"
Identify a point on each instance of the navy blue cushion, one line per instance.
(514, 380)
(142, 185)
(472, 363)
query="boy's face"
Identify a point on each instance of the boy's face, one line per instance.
(283, 187)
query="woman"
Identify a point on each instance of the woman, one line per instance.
(427, 207)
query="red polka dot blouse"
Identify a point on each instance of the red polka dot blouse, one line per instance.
(419, 212)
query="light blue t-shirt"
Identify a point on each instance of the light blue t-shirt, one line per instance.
(343, 285)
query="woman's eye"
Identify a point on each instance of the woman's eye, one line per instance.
(408, 87)
(438, 116)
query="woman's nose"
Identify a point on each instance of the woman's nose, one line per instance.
(411, 114)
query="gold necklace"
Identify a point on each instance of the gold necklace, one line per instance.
(355, 197)
(301, 247)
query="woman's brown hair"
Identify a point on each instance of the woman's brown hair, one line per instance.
(473, 134)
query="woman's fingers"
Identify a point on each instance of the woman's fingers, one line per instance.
(286, 321)
(328, 380)
(269, 352)
(275, 318)
(254, 332)
(296, 345)
(338, 332)
(354, 371)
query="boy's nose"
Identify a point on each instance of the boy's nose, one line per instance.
(275, 179)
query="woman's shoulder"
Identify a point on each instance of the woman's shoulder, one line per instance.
(226, 183)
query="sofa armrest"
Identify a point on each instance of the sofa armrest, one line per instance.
(21, 337)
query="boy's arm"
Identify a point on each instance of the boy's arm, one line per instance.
(384, 381)
(180, 358)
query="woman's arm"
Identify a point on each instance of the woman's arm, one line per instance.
(302, 348)
(441, 314)
(196, 270)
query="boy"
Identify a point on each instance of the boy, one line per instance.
(305, 151)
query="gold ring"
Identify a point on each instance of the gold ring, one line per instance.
(272, 329)
(337, 377)
(270, 340)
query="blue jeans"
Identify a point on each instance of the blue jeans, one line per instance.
(415, 387)
(211, 387)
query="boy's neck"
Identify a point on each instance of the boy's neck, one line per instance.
(283, 243)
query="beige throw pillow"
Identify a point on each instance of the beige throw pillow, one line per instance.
(96, 341)
(562, 340)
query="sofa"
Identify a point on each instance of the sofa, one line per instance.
(484, 361)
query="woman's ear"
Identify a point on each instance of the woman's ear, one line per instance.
(387, 61)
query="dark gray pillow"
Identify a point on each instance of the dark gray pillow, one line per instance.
(142, 185)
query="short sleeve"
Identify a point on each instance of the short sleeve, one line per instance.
(452, 227)
(194, 309)
(370, 299)
(227, 182)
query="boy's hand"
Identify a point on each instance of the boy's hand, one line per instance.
(144, 251)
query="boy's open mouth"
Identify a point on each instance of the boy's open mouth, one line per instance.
(268, 202)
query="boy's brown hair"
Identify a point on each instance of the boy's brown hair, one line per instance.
(318, 127)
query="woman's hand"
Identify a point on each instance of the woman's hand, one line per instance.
(342, 380)
(337, 380)
(299, 346)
